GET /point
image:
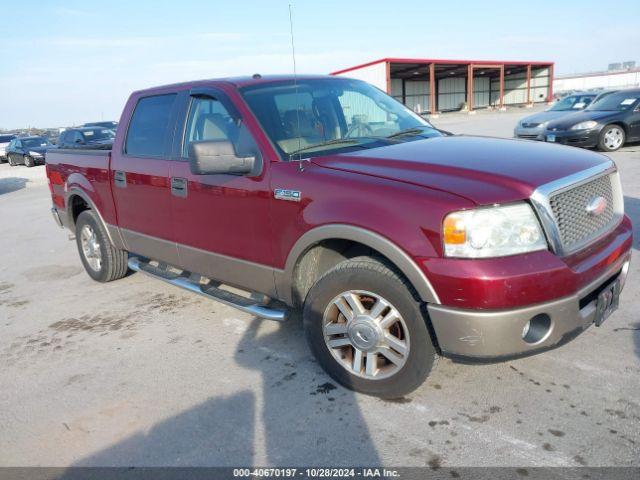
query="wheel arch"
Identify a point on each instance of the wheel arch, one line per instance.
(322, 248)
(77, 201)
(620, 124)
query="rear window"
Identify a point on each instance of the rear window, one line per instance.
(148, 127)
(6, 138)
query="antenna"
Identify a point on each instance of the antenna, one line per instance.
(295, 79)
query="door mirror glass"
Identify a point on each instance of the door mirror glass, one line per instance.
(209, 157)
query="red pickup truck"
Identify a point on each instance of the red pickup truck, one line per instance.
(398, 241)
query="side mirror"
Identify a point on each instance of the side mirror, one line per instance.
(209, 157)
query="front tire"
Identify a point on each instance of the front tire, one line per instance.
(611, 138)
(102, 261)
(364, 324)
(28, 161)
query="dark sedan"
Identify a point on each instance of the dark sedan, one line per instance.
(28, 151)
(608, 123)
(86, 137)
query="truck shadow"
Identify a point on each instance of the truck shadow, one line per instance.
(300, 419)
(12, 184)
(632, 208)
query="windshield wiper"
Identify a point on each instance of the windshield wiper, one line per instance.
(416, 131)
(337, 141)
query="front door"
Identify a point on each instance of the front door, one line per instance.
(140, 179)
(222, 221)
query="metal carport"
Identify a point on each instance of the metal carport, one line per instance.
(457, 84)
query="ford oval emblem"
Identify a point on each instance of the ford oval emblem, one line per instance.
(596, 206)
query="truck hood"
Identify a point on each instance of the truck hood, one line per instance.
(481, 169)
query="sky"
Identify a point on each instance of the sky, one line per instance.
(70, 62)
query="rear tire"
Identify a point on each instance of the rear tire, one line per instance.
(395, 349)
(11, 164)
(102, 261)
(611, 138)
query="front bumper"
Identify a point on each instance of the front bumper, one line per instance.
(536, 133)
(498, 334)
(574, 138)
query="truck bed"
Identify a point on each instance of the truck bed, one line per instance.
(84, 172)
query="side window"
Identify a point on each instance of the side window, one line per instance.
(208, 120)
(77, 137)
(148, 127)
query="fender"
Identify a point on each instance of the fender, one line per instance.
(377, 242)
(113, 232)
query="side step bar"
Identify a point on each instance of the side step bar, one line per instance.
(212, 292)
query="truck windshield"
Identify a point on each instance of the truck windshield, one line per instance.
(311, 117)
(97, 134)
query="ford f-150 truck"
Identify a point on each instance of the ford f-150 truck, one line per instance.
(397, 241)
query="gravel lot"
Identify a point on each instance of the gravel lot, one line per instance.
(137, 372)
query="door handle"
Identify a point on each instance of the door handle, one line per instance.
(179, 187)
(120, 178)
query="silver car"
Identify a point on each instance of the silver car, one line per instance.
(4, 142)
(532, 127)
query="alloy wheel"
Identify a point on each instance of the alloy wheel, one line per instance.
(366, 334)
(613, 138)
(91, 248)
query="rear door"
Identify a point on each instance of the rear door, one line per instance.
(140, 177)
(221, 221)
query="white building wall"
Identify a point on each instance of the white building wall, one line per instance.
(515, 87)
(417, 95)
(480, 91)
(606, 80)
(375, 74)
(451, 93)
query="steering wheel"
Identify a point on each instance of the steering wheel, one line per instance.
(359, 129)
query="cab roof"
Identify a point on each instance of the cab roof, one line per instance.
(237, 82)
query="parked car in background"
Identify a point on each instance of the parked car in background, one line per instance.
(532, 127)
(112, 125)
(608, 123)
(86, 137)
(4, 143)
(323, 193)
(28, 151)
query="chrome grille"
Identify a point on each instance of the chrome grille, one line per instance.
(576, 226)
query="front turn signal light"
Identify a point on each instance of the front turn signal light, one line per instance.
(455, 232)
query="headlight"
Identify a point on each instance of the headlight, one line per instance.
(584, 125)
(492, 232)
(35, 154)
